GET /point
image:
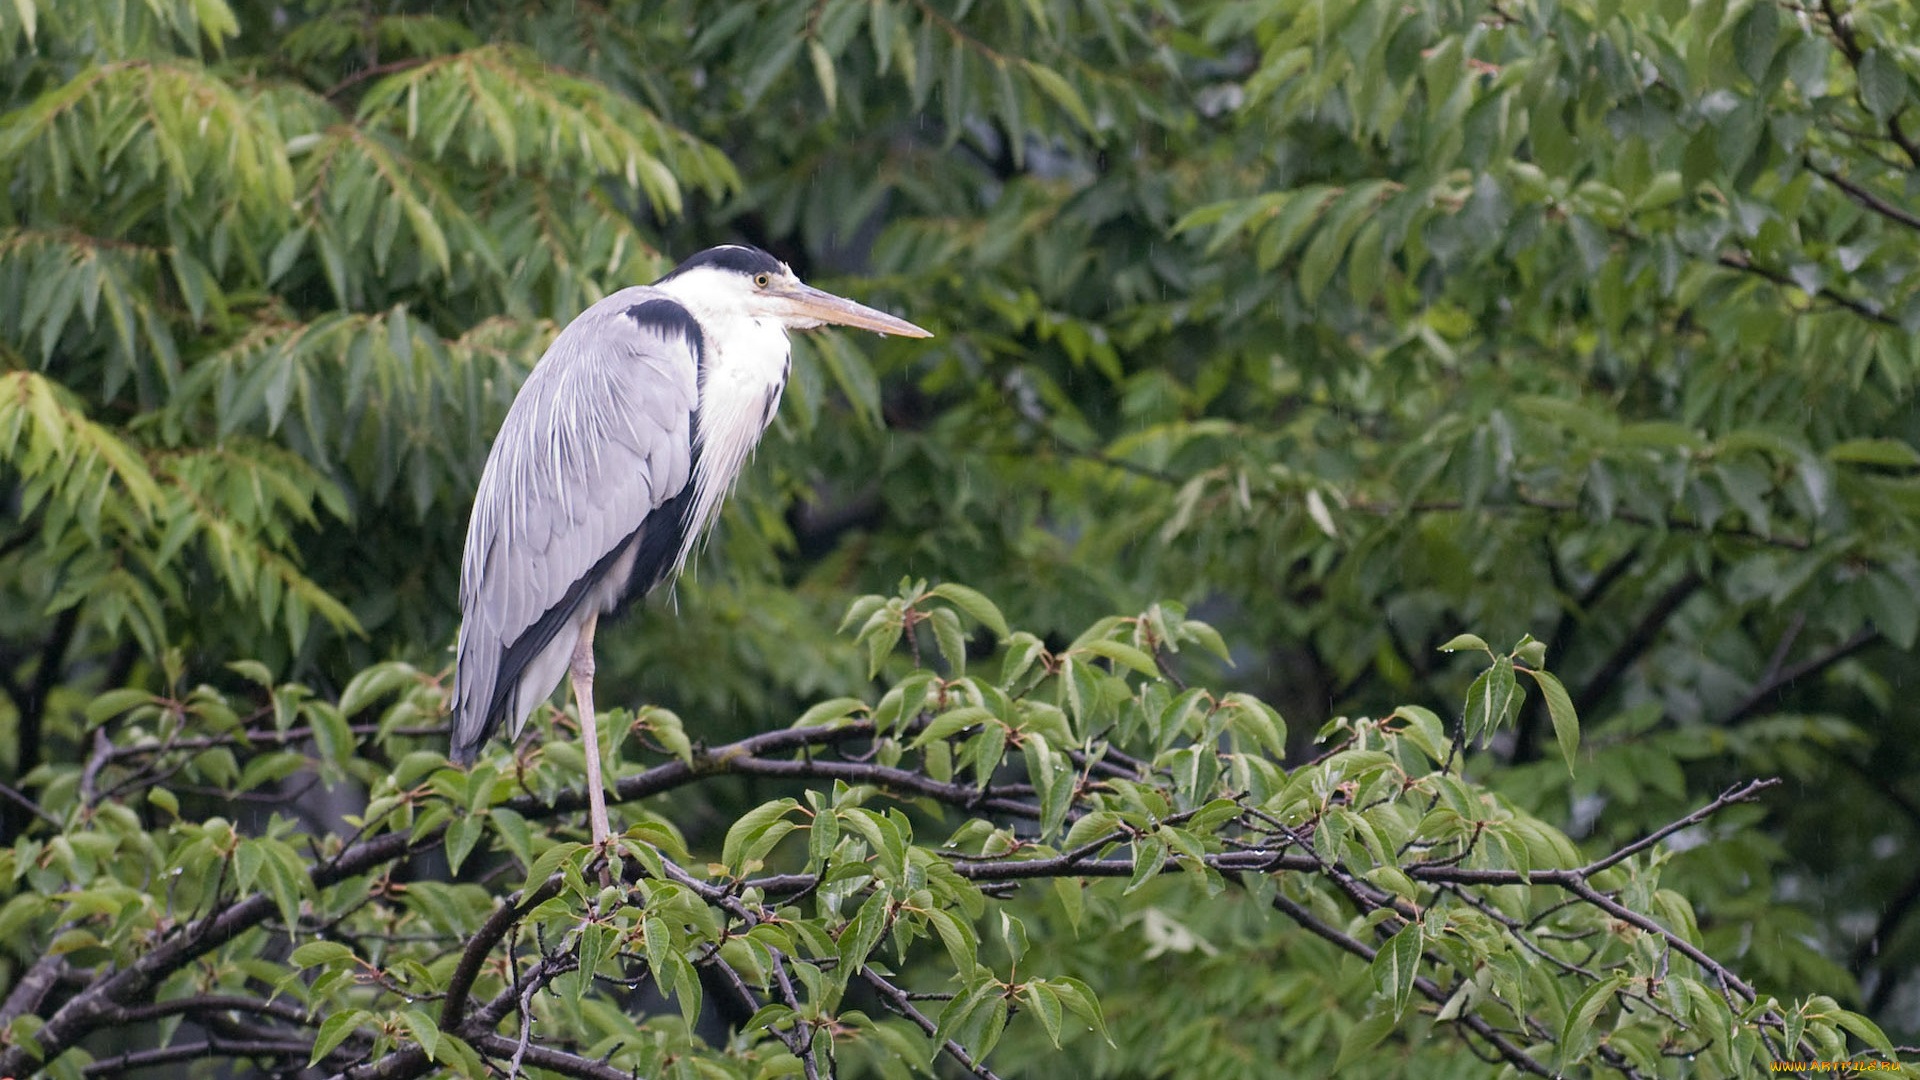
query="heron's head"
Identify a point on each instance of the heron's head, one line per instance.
(740, 280)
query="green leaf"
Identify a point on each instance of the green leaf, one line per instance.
(952, 722)
(974, 604)
(1883, 86)
(1865, 1030)
(1753, 40)
(1149, 855)
(549, 862)
(1362, 1037)
(1491, 700)
(316, 953)
(830, 711)
(332, 735)
(659, 947)
(1044, 1004)
(1395, 967)
(1091, 825)
(667, 727)
(1530, 652)
(1209, 639)
(286, 880)
(514, 832)
(950, 640)
(688, 990)
(253, 671)
(1582, 1013)
(1284, 229)
(822, 835)
(1080, 1000)
(750, 826)
(823, 72)
(1072, 896)
(903, 703)
(1424, 730)
(1266, 724)
(462, 833)
(114, 702)
(857, 941)
(334, 1030)
(881, 642)
(165, 800)
(1013, 933)
(425, 1031)
(1022, 649)
(957, 937)
(1125, 654)
(1566, 725)
(1064, 95)
(1329, 243)
(375, 683)
(1463, 642)
(1892, 453)
(861, 610)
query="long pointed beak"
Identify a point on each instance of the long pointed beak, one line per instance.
(807, 302)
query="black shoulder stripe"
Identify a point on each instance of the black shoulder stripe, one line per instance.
(515, 657)
(661, 537)
(668, 318)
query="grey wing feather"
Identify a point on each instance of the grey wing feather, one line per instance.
(598, 439)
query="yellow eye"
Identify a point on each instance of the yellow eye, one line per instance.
(762, 280)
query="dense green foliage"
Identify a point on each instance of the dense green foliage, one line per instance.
(1350, 327)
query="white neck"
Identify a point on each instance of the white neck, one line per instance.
(743, 370)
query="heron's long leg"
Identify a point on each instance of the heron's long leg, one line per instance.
(580, 668)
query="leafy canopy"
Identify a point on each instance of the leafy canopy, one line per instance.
(1354, 327)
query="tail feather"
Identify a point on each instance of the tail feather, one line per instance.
(482, 702)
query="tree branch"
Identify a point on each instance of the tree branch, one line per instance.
(545, 1057)
(213, 1047)
(32, 987)
(1523, 500)
(32, 708)
(900, 1003)
(279, 1010)
(1865, 197)
(114, 998)
(1740, 261)
(20, 799)
(1756, 699)
(744, 757)
(1508, 1052)
(1849, 44)
(1637, 641)
(501, 920)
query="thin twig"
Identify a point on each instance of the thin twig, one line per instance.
(1757, 697)
(375, 71)
(1505, 1047)
(29, 805)
(214, 1047)
(902, 1003)
(1866, 198)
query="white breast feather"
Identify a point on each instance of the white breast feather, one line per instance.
(744, 372)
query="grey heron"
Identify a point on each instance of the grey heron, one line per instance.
(613, 459)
